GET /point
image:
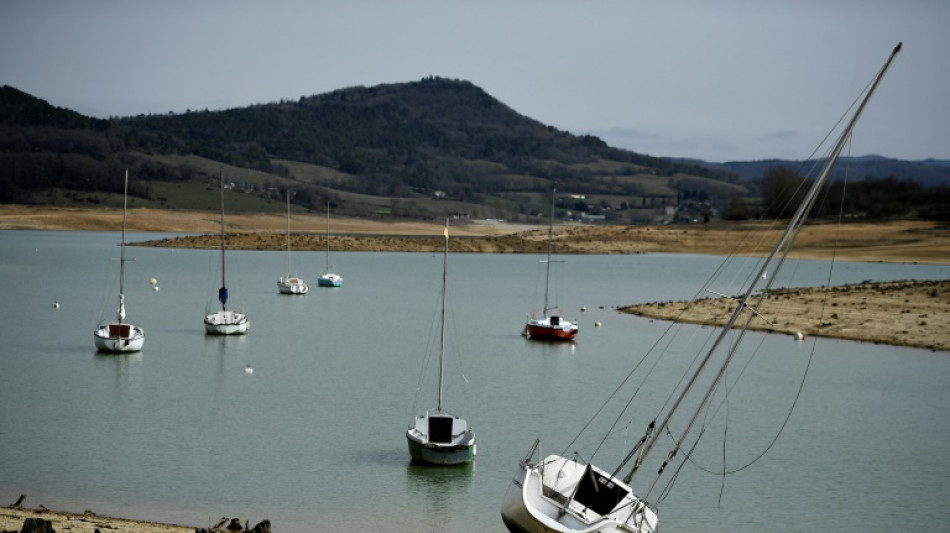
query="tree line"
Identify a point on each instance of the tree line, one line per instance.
(783, 189)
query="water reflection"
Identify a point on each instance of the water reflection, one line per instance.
(225, 348)
(550, 347)
(438, 488)
(126, 365)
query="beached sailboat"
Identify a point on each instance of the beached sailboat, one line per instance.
(329, 278)
(291, 283)
(549, 326)
(119, 336)
(563, 495)
(438, 437)
(225, 321)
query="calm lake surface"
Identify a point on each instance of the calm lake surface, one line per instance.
(314, 438)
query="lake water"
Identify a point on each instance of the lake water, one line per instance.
(314, 438)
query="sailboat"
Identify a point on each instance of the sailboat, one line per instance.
(120, 336)
(549, 326)
(563, 495)
(291, 283)
(438, 437)
(329, 279)
(225, 322)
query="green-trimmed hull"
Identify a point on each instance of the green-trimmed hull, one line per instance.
(434, 454)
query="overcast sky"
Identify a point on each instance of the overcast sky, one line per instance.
(716, 80)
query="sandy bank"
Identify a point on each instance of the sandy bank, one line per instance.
(904, 313)
(894, 241)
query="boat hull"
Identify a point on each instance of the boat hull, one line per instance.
(440, 439)
(533, 506)
(438, 455)
(117, 338)
(330, 280)
(292, 286)
(226, 323)
(551, 329)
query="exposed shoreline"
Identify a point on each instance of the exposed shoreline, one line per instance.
(12, 519)
(900, 313)
(889, 241)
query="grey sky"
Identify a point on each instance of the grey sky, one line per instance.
(716, 80)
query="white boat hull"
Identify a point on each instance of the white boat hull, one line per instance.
(453, 444)
(226, 323)
(118, 338)
(535, 502)
(292, 286)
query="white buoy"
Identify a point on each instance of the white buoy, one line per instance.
(152, 281)
(248, 369)
(55, 305)
(597, 324)
(155, 288)
(583, 308)
(799, 336)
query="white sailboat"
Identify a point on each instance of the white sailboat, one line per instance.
(329, 278)
(291, 283)
(224, 321)
(549, 326)
(119, 336)
(562, 495)
(437, 437)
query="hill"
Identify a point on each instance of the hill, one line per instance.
(422, 149)
(417, 150)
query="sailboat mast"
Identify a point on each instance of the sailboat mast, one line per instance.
(781, 250)
(289, 267)
(223, 284)
(547, 270)
(445, 264)
(328, 236)
(120, 312)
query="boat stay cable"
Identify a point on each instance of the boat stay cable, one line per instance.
(781, 250)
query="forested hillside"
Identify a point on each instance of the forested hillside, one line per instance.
(422, 150)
